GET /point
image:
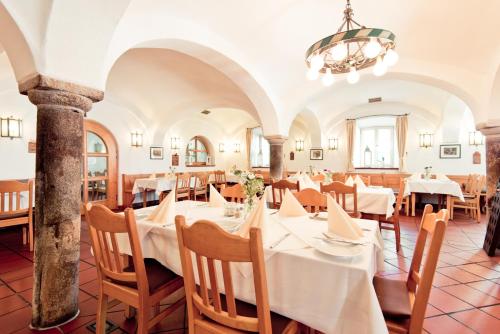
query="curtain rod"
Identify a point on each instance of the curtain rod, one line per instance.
(353, 119)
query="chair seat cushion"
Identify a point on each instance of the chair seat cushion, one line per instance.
(157, 274)
(393, 297)
(4, 216)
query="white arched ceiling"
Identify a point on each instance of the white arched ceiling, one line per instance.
(260, 44)
(310, 124)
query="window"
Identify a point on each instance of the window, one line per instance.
(259, 149)
(197, 152)
(376, 143)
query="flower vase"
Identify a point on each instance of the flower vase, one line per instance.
(249, 204)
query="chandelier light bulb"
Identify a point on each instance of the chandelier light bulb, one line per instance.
(317, 62)
(328, 78)
(372, 49)
(380, 68)
(353, 75)
(312, 74)
(339, 52)
(391, 57)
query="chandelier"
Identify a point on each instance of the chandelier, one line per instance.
(351, 50)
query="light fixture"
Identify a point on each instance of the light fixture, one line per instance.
(352, 49)
(425, 140)
(333, 144)
(237, 148)
(328, 78)
(136, 139)
(380, 68)
(11, 127)
(221, 147)
(175, 143)
(476, 138)
(299, 145)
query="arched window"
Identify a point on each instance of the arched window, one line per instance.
(198, 152)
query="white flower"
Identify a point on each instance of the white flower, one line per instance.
(251, 176)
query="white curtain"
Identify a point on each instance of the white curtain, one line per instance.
(249, 147)
(350, 127)
(401, 134)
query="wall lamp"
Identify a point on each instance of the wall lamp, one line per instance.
(426, 140)
(333, 144)
(11, 127)
(221, 147)
(299, 145)
(175, 143)
(237, 148)
(476, 138)
(136, 139)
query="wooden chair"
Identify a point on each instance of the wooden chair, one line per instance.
(208, 310)
(341, 190)
(392, 223)
(280, 186)
(472, 199)
(234, 193)
(200, 186)
(183, 186)
(142, 284)
(404, 302)
(11, 213)
(219, 179)
(312, 200)
(318, 178)
(339, 177)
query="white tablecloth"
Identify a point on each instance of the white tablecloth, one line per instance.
(333, 295)
(433, 186)
(370, 200)
(158, 184)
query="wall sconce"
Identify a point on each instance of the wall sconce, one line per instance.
(299, 145)
(333, 144)
(221, 148)
(175, 143)
(425, 140)
(136, 139)
(476, 138)
(11, 127)
(237, 148)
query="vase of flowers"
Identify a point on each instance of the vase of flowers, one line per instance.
(253, 186)
(328, 175)
(427, 174)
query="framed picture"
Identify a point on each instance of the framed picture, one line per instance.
(156, 153)
(450, 151)
(316, 154)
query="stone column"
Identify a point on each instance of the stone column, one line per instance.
(59, 142)
(276, 159)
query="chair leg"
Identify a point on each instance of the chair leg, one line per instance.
(397, 232)
(31, 238)
(142, 319)
(25, 237)
(102, 308)
(156, 309)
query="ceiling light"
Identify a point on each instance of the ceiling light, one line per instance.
(328, 78)
(317, 62)
(391, 57)
(372, 49)
(380, 68)
(353, 76)
(339, 52)
(312, 74)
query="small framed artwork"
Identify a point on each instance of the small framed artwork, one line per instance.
(450, 151)
(316, 154)
(156, 153)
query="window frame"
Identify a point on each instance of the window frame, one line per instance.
(394, 163)
(261, 142)
(194, 152)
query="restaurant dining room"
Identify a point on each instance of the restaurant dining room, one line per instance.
(231, 166)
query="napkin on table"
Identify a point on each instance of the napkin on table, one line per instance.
(340, 223)
(290, 206)
(359, 182)
(165, 212)
(152, 176)
(257, 218)
(349, 182)
(216, 199)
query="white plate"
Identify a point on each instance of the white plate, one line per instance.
(337, 249)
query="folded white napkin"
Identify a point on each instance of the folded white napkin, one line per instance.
(290, 206)
(152, 176)
(349, 182)
(256, 218)
(216, 199)
(165, 212)
(340, 223)
(359, 182)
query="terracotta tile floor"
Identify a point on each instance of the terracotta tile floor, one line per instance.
(465, 297)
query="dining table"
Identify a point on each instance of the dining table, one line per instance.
(440, 186)
(330, 293)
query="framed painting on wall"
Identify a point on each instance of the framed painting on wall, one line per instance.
(156, 153)
(450, 151)
(316, 154)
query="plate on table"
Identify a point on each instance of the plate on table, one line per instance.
(337, 249)
(229, 225)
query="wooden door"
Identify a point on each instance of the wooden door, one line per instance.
(100, 166)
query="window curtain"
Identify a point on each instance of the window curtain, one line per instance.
(401, 134)
(350, 126)
(249, 147)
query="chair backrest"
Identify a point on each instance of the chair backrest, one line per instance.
(311, 199)
(220, 177)
(420, 284)
(104, 224)
(318, 178)
(223, 248)
(201, 181)
(234, 193)
(182, 183)
(10, 196)
(279, 187)
(478, 183)
(399, 200)
(341, 190)
(339, 177)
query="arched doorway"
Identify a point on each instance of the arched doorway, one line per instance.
(100, 165)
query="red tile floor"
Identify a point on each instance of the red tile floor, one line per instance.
(465, 297)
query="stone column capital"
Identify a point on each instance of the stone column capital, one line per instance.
(276, 139)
